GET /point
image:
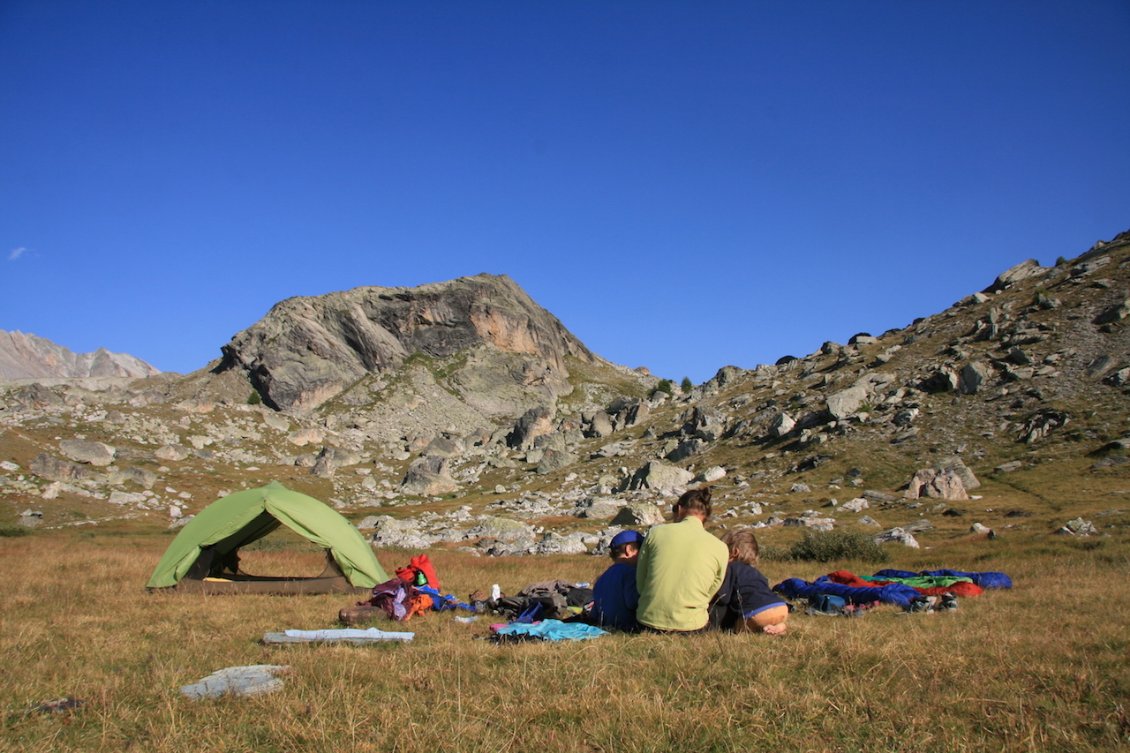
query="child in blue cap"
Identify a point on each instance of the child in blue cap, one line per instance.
(615, 596)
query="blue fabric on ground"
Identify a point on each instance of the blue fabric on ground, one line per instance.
(984, 580)
(892, 593)
(553, 630)
(891, 572)
(443, 602)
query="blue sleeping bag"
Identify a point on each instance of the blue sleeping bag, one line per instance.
(984, 580)
(892, 593)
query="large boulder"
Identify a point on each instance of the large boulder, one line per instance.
(502, 529)
(661, 477)
(402, 534)
(552, 460)
(936, 484)
(1013, 275)
(331, 458)
(171, 453)
(958, 466)
(534, 423)
(847, 402)
(781, 425)
(428, 476)
(598, 507)
(943, 379)
(628, 412)
(686, 449)
(85, 451)
(556, 543)
(600, 425)
(638, 515)
(973, 377)
(704, 424)
(57, 469)
(897, 535)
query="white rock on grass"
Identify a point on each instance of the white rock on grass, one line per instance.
(712, 474)
(897, 535)
(126, 498)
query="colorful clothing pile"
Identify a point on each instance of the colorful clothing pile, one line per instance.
(899, 587)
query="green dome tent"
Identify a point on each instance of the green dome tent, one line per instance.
(203, 556)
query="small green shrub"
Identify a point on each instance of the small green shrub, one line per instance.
(254, 398)
(686, 385)
(666, 386)
(13, 531)
(829, 546)
(774, 554)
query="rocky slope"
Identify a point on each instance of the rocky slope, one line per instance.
(462, 414)
(24, 356)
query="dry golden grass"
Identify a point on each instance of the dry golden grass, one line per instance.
(1040, 667)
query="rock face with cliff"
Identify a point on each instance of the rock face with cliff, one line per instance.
(306, 351)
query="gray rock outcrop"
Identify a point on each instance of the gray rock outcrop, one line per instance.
(306, 350)
(85, 451)
(429, 476)
(638, 515)
(936, 484)
(660, 477)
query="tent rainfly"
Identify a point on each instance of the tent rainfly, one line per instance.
(204, 555)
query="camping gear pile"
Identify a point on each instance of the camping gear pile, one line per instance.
(414, 590)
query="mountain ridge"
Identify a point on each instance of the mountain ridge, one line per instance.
(1020, 387)
(28, 356)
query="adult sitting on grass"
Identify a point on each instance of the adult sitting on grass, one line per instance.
(745, 602)
(680, 568)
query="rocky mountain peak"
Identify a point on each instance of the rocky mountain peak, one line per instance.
(27, 356)
(307, 350)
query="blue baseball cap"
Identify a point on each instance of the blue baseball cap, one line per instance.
(626, 537)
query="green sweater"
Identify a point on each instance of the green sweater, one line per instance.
(680, 568)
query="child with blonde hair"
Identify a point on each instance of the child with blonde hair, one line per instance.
(745, 601)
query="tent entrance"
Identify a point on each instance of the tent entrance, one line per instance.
(221, 569)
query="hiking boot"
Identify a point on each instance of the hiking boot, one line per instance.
(359, 614)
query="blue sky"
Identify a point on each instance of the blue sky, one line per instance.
(685, 185)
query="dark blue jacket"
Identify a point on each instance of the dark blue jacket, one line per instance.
(745, 590)
(615, 598)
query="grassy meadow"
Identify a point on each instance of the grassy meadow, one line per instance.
(1040, 667)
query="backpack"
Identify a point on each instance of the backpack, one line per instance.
(419, 572)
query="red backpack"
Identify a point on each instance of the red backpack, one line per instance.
(419, 572)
